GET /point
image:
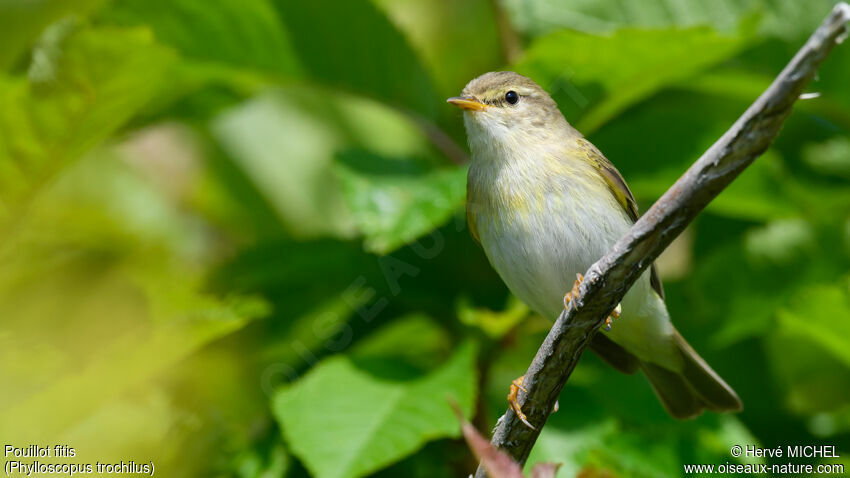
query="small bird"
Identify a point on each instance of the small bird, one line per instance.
(545, 204)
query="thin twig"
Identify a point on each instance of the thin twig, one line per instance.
(509, 40)
(442, 141)
(607, 281)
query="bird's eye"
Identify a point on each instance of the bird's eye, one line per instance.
(511, 97)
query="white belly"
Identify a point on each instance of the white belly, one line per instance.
(538, 249)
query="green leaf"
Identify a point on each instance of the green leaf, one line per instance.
(594, 78)
(230, 50)
(571, 449)
(393, 342)
(289, 170)
(128, 361)
(21, 22)
(730, 430)
(831, 157)
(251, 464)
(746, 84)
(101, 78)
(494, 323)
(805, 351)
(314, 330)
(781, 242)
(815, 314)
(285, 143)
(99, 290)
(536, 17)
(354, 46)
(788, 19)
(606, 446)
(391, 210)
(239, 33)
(757, 194)
(342, 421)
(425, 27)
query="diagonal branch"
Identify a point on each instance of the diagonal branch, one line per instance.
(607, 281)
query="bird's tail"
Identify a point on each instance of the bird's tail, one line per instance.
(685, 394)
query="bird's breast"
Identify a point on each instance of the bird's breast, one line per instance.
(540, 223)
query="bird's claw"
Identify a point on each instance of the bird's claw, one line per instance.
(573, 293)
(516, 386)
(615, 314)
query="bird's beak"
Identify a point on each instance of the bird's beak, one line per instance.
(467, 103)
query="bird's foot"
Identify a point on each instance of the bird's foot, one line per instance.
(615, 314)
(573, 293)
(569, 296)
(516, 386)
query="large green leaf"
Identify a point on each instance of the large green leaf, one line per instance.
(101, 289)
(757, 194)
(21, 22)
(746, 86)
(605, 446)
(343, 421)
(434, 29)
(651, 451)
(392, 342)
(239, 33)
(100, 78)
(785, 18)
(597, 77)
(571, 449)
(815, 314)
(808, 349)
(285, 143)
(390, 209)
(536, 17)
(317, 330)
(494, 323)
(125, 362)
(354, 46)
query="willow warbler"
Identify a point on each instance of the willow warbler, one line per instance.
(545, 204)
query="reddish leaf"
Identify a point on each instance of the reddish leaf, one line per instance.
(497, 463)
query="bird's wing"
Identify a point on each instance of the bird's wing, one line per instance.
(470, 217)
(621, 191)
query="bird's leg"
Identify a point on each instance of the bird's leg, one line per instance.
(615, 314)
(569, 296)
(574, 292)
(516, 386)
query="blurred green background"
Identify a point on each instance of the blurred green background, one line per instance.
(233, 242)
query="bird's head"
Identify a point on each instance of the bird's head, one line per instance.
(504, 109)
